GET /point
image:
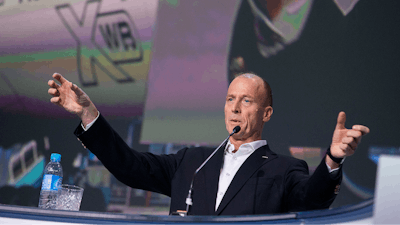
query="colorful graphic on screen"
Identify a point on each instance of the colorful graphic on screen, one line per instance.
(102, 46)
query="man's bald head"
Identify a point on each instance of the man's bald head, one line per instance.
(266, 88)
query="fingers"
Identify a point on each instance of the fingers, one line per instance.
(53, 84)
(354, 133)
(363, 129)
(54, 88)
(55, 100)
(53, 91)
(60, 78)
(348, 151)
(341, 120)
(351, 142)
(353, 138)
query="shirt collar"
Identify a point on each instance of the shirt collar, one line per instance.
(246, 148)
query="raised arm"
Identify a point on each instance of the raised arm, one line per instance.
(72, 98)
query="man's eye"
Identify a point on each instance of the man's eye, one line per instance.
(246, 100)
(230, 99)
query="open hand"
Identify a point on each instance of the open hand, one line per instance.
(71, 98)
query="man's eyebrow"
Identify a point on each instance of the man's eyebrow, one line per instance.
(249, 96)
(241, 96)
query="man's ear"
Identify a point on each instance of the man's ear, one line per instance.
(267, 113)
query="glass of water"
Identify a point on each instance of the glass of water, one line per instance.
(69, 197)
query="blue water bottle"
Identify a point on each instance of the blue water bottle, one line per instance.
(52, 179)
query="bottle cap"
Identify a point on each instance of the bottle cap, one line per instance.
(55, 157)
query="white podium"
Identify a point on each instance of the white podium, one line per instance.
(387, 190)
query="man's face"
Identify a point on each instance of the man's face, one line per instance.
(245, 107)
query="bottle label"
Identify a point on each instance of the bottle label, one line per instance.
(51, 182)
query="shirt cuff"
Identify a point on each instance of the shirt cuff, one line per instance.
(333, 172)
(330, 170)
(91, 123)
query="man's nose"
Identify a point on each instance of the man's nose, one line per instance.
(236, 107)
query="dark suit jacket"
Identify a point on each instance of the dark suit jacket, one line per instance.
(266, 182)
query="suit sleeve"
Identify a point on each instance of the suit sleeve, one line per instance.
(138, 170)
(310, 192)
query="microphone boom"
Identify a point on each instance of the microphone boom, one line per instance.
(189, 200)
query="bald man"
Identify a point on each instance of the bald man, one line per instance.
(244, 177)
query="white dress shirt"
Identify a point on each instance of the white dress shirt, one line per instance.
(231, 164)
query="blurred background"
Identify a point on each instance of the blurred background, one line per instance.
(158, 70)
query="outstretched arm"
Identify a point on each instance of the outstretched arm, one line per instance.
(72, 98)
(345, 141)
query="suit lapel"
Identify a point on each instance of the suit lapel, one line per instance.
(248, 168)
(211, 174)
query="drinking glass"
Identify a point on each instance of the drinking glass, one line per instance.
(69, 197)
